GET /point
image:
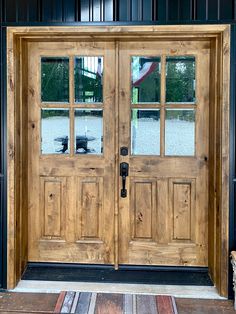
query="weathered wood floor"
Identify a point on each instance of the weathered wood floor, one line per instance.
(45, 303)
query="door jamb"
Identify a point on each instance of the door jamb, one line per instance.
(17, 36)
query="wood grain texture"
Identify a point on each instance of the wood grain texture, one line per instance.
(143, 200)
(183, 36)
(182, 212)
(89, 207)
(109, 303)
(169, 193)
(183, 209)
(53, 207)
(146, 304)
(164, 304)
(77, 191)
(12, 302)
(224, 209)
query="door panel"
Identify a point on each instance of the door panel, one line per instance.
(71, 136)
(163, 120)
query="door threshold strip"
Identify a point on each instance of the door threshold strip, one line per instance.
(178, 291)
(131, 274)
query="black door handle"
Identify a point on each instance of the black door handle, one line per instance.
(124, 172)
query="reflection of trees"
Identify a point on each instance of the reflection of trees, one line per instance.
(87, 88)
(149, 88)
(55, 79)
(47, 113)
(183, 115)
(88, 82)
(180, 79)
(150, 114)
(88, 113)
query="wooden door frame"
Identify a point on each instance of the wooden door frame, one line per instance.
(219, 35)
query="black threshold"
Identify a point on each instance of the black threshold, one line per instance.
(160, 275)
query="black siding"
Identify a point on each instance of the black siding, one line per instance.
(3, 159)
(74, 12)
(162, 11)
(232, 215)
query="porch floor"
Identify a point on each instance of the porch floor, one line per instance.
(12, 302)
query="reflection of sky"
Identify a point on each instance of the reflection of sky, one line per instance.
(145, 136)
(179, 137)
(55, 127)
(91, 65)
(91, 127)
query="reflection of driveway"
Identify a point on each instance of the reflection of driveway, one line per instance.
(81, 143)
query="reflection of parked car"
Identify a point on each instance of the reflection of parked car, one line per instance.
(81, 143)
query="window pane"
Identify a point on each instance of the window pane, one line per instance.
(145, 79)
(55, 131)
(88, 79)
(180, 132)
(145, 132)
(88, 131)
(55, 79)
(180, 79)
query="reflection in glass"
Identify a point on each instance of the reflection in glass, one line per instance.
(55, 131)
(180, 132)
(55, 79)
(145, 79)
(145, 132)
(180, 79)
(88, 131)
(88, 79)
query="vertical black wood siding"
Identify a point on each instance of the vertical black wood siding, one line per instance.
(63, 12)
(3, 159)
(162, 11)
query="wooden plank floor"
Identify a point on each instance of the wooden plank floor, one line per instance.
(195, 306)
(45, 303)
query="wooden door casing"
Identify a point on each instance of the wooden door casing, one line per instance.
(17, 130)
(164, 219)
(71, 197)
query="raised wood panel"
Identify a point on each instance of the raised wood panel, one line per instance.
(53, 198)
(143, 203)
(182, 203)
(163, 212)
(87, 252)
(52, 209)
(182, 212)
(89, 205)
(149, 253)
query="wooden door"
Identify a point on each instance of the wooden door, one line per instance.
(71, 151)
(164, 121)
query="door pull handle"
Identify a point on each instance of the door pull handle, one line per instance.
(124, 172)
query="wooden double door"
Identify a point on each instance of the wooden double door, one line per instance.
(118, 152)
